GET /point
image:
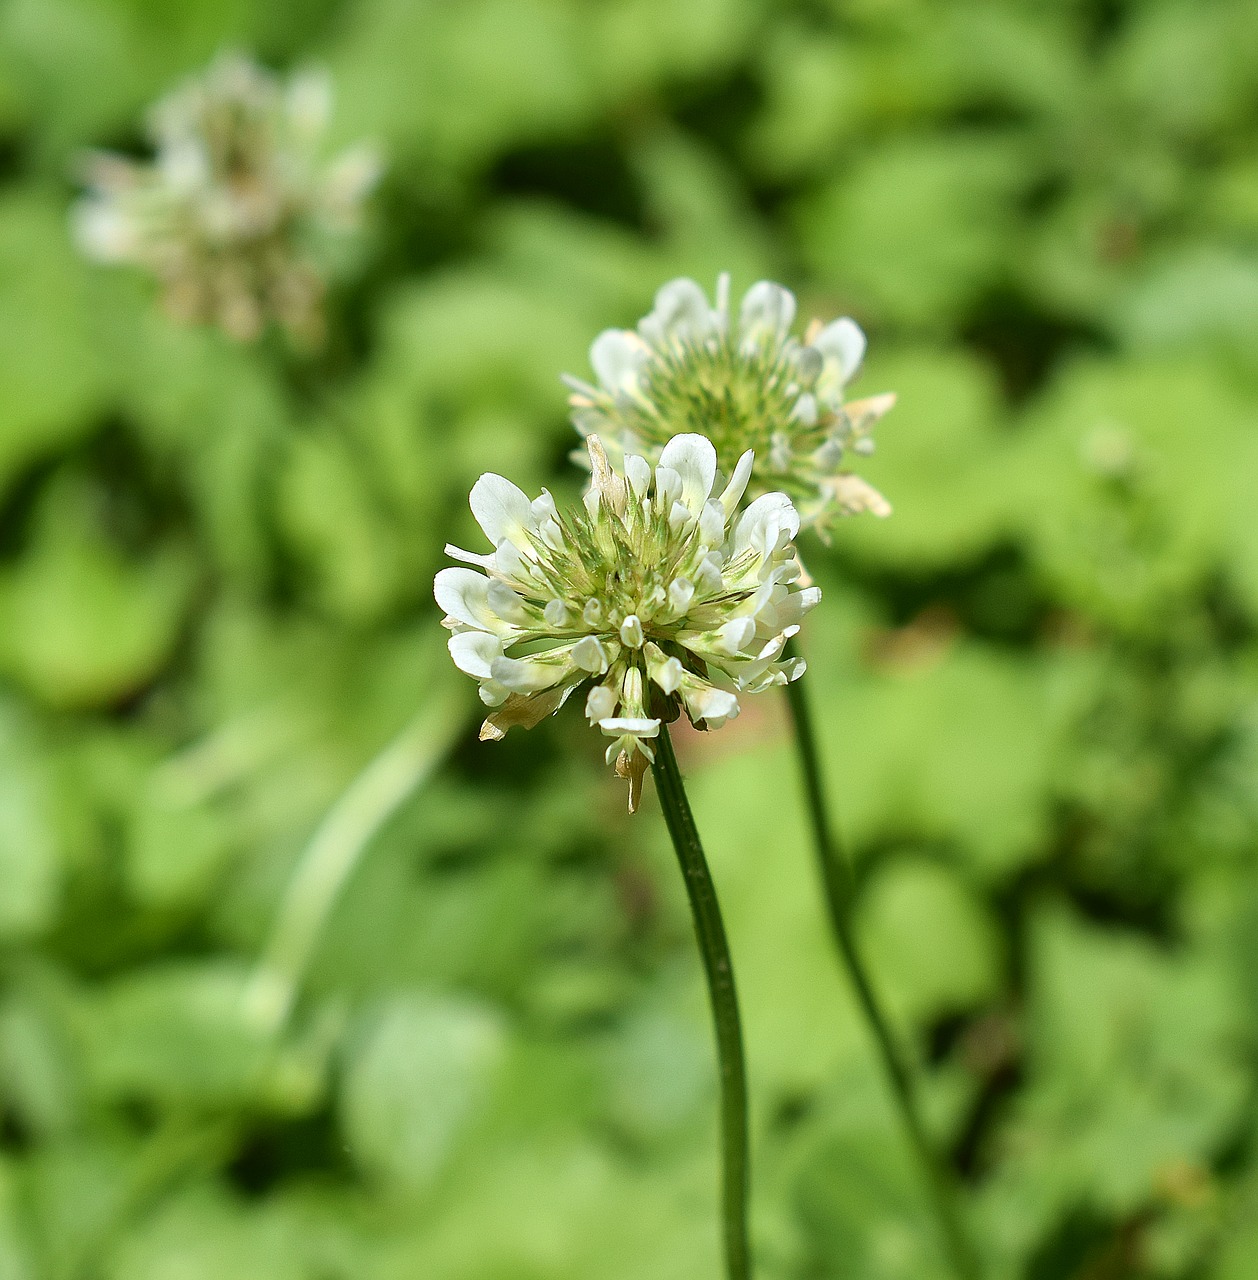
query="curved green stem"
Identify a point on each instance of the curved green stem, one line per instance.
(836, 877)
(710, 932)
(334, 850)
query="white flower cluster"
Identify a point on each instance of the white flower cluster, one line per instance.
(746, 385)
(224, 214)
(656, 594)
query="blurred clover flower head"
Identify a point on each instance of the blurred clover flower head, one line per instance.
(227, 214)
(750, 385)
(651, 591)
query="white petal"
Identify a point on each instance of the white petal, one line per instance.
(766, 312)
(638, 473)
(616, 357)
(600, 704)
(309, 101)
(474, 652)
(350, 178)
(736, 635)
(468, 557)
(733, 493)
(767, 525)
(665, 672)
(104, 232)
(667, 488)
(502, 510)
(855, 495)
(712, 524)
(681, 311)
(464, 594)
(711, 705)
(631, 632)
(805, 410)
(842, 342)
(637, 726)
(722, 300)
(693, 458)
(533, 674)
(798, 603)
(681, 592)
(505, 603)
(589, 654)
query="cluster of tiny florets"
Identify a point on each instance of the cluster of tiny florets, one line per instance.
(225, 214)
(745, 384)
(654, 595)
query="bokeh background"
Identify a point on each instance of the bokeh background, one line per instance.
(486, 1054)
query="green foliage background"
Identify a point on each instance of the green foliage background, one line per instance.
(1037, 681)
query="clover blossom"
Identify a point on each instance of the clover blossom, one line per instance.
(226, 214)
(745, 385)
(654, 593)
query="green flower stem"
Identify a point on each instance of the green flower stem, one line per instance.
(836, 876)
(710, 931)
(334, 851)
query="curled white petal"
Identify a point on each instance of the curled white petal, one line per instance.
(469, 557)
(735, 635)
(766, 525)
(705, 702)
(733, 492)
(464, 595)
(474, 653)
(796, 604)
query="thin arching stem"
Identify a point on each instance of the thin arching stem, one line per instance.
(836, 876)
(710, 932)
(335, 850)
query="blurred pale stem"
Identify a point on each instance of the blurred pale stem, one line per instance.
(836, 875)
(334, 851)
(710, 932)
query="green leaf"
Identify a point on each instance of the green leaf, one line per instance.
(30, 868)
(941, 462)
(421, 1073)
(930, 941)
(52, 379)
(80, 624)
(176, 1033)
(913, 232)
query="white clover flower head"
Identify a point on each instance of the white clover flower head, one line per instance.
(226, 213)
(654, 594)
(747, 384)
